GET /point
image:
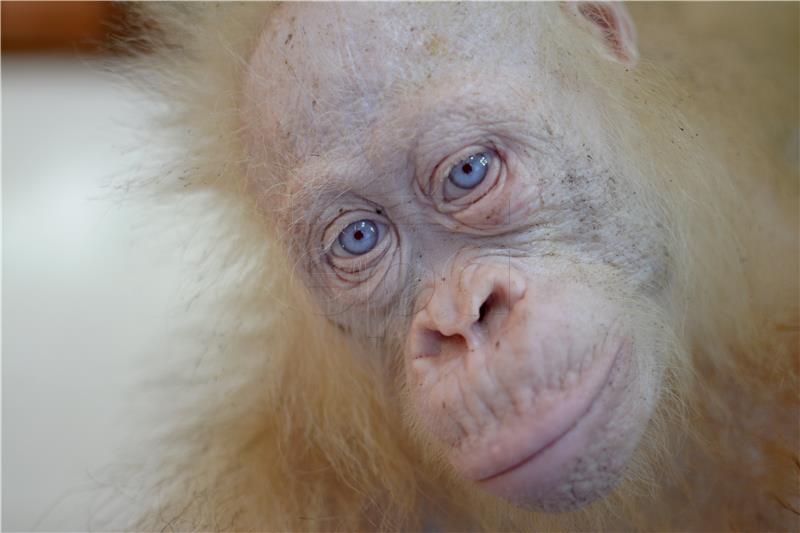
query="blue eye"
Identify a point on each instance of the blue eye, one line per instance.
(469, 173)
(359, 237)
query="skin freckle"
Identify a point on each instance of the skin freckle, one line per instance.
(434, 45)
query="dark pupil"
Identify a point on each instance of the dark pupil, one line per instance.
(467, 168)
(358, 235)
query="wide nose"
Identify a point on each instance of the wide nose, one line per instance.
(466, 311)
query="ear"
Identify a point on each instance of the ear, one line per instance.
(611, 24)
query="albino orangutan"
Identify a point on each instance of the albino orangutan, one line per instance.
(483, 266)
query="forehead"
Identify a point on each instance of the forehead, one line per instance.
(321, 73)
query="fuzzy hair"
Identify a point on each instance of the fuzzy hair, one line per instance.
(277, 421)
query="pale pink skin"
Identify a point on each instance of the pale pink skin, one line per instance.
(523, 358)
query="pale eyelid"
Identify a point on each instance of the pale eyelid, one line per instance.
(485, 184)
(438, 180)
(334, 228)
(349, 266)
(337, 245)
(346, 259)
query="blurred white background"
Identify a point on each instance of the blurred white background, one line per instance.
(86, 291)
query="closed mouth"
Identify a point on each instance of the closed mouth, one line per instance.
(540, 450)
(552, 443)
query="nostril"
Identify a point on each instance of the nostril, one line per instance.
(485, 309)
(492, 313)
(431, 343)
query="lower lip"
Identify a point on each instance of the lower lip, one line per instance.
(554, 443)
(529, 459)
